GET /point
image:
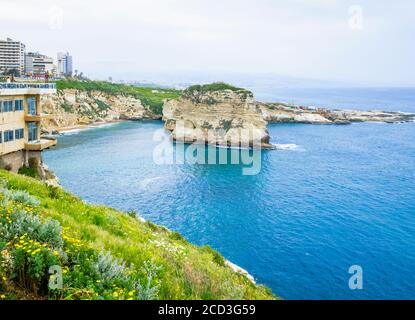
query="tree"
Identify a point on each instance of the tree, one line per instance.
(12, 72)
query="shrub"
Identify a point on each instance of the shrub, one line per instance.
(176, 236)
(217, 258)
(148, 290)
(3, 183)
(226, 124)
(30, 266)
(109, 268)
(53, 191)
(21, 223)
(22, 197)
(132, 213)
(50, 232)
(29, 172)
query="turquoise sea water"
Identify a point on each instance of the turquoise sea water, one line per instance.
(344, 195)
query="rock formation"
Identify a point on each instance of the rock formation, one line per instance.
(225, 116)
(275, 112)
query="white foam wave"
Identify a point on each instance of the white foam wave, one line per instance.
(94, 126)
(288, 146)
(146, 182)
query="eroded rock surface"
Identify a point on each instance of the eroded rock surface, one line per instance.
(226, 118)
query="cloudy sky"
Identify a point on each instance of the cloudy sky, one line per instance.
(362, 41)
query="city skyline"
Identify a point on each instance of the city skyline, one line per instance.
(14, 57)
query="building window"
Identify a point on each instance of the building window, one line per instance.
(19, 134)
(8, 135)
(1, 137)
(32, 131)
(31, 106)
(18, 105)
(7, 106)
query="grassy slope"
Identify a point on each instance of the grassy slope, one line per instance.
(188, 271)
(150, 97)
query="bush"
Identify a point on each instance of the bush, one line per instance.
(29, 172)
(109, 268)
(53, 191)
(22, 197)
(50, 232)
(217, 258)
(23, 223)
(176, 236)
(3, 183)
(148, 290)
(132, 213)
(30, 267)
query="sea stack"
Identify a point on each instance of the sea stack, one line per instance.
(217, 114)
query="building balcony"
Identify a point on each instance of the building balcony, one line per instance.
(39, 145)
(36, 117)
(18, 88)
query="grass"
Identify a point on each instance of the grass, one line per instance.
(216, 86)
(152, 98)
(106, 254)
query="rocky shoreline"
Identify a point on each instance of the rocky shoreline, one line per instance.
(274, 113)
(216, 114)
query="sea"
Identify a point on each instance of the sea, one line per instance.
(330, 214)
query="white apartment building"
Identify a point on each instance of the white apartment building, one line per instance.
(38, 65)
(12, 55)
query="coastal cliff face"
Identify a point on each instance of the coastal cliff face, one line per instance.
(217, 116)
(73, 108)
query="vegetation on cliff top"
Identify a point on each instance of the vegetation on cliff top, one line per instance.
(197, 93)
(150, 97)
(216, 86)
(101, 253)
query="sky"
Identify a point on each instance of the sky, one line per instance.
(360, 41)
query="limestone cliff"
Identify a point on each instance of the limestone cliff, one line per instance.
(275, 112)
(216, 114)
(72, 108)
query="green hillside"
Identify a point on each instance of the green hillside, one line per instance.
(150, 97)
(102, 253)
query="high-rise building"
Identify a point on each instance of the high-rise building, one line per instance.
(64, 64)
(12, 55)
(38, 65)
